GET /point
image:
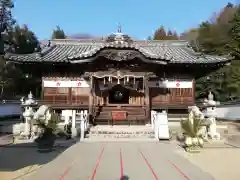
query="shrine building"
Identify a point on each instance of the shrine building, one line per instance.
(118, 73)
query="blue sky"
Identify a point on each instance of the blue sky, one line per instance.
(138, 18)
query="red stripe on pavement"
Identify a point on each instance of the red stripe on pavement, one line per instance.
(98, 162)
(148, 164)
(179, 171)
(121, 166)
(65, 173)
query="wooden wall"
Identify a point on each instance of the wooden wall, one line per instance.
(62, 95)
(173, 96)
(80, 95)
(54, 94)
(135, 98)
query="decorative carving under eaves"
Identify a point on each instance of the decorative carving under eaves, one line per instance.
(119, 55)
(119, 38)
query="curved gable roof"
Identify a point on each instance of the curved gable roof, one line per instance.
(67, 50)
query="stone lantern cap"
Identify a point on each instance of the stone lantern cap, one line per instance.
(30, 101)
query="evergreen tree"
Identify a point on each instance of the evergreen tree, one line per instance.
(160, 34)
(6, 22)
(234, 44)
(175, 36)
(58, 33)
(149, 38)
(169, 33)
(214, 38)
(23, 40)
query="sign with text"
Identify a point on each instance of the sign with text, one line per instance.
(171, 84)
(80, 83)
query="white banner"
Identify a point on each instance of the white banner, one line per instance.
(80, 83)
(171, 84)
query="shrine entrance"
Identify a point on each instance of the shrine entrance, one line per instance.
(118, 95)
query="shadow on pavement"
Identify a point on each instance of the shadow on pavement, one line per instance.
(125, 177)
(5, 139)
(26, 155)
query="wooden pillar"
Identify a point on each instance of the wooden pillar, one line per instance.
(42, 90)
(193, 91)
(147, 99)
(90, 104)
(69, 100)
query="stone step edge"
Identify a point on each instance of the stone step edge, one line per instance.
(119, 136)
(120, 139)
(117, 133)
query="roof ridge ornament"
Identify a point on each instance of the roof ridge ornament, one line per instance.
(119, 28)
(118, 38)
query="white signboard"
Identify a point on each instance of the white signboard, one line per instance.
(80, 83)
(171, 84)
(161, 126)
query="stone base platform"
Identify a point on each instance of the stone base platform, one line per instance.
(109, 133)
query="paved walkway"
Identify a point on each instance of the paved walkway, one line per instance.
(222, 163)
(120, 160)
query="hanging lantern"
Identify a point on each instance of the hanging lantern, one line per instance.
(118, 81)
(104, 81)
(127, 78)
(109, 79)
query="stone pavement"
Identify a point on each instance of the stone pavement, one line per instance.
(5, 139)
(19, 160)
(119, 160)
(222, 163)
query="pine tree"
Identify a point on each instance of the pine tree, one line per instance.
(58, 33)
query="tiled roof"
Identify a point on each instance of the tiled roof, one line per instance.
(67, 50)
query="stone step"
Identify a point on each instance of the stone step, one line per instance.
(102, 139)
(121, 135)
(120, 132)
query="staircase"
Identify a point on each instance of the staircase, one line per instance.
(136, 115)
(120, 133)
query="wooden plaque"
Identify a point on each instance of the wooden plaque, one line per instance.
(119, 115)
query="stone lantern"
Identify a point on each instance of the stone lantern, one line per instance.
(28, 104)
(210, 113)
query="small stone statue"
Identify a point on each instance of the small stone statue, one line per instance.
(210, 96)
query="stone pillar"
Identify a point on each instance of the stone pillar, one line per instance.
(74, 129)
(82, 126)
(26, 127)
(66, 119)
(153, 117)
(85, 113)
